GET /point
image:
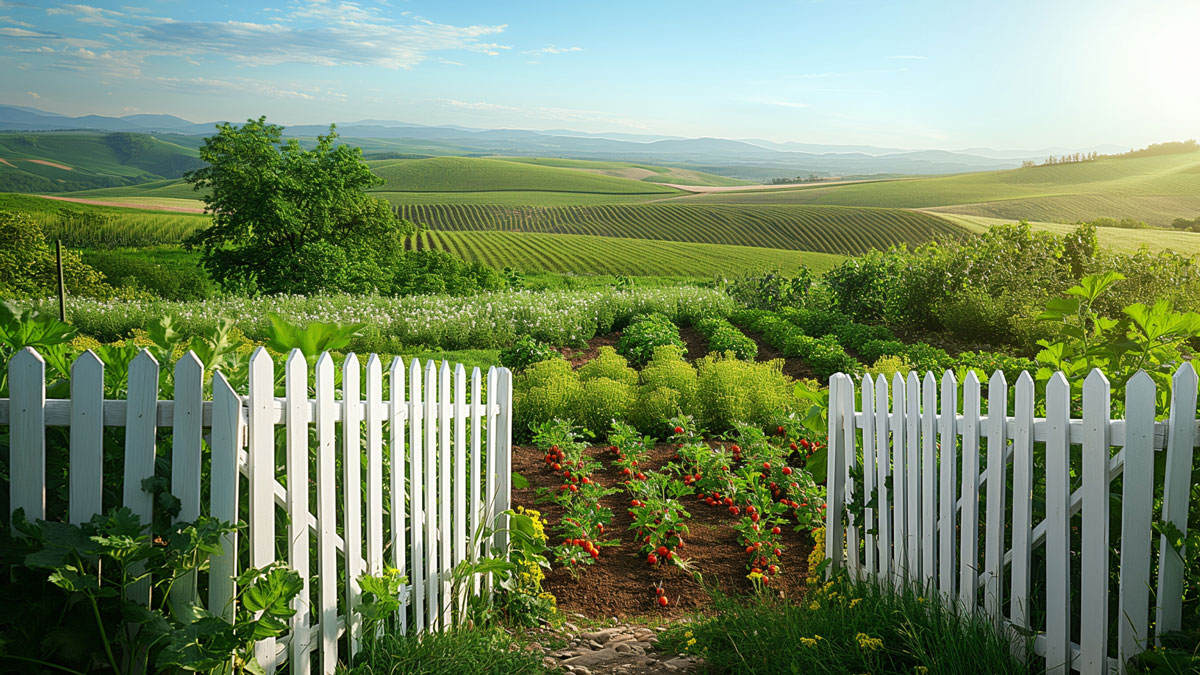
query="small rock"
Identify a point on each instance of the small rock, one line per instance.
(681, 663)
(594, 644)
(549, 662)
(623, 647)
(613, 620)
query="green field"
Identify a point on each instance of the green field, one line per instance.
(583, 254)
(1117, 239)
(1155, 189)
(644, 172)
(839, 230)
(61, 161)
(462, 174)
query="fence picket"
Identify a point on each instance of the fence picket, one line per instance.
(185, 456)
(141, 420)
(1181, 439)
(296, 421)
(899, 483)
(1022, 525)
(432, 577)
(997, 493)
(459, 512)
(374, 420)
(397, 413)
(326, 512)
(849, 454)
(929, 464)
(883, 454)
(490, 480)
(948, 472)
(261, 457)
(445, 534)
(224, 482)
(869, 472)
(504, 460)
(1093, 592)
(352, 495)
(968, 563)
(416, 500)
(1137, 504)
(1058, 549)
(476, 472)
(834, 462)
(87, 425)
(912, 509)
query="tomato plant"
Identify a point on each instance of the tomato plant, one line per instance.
(659, 519)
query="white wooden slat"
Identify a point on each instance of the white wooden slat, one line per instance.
(912, 509)
(1022, 510)
(997, 493)
(432, 577)
(87, 447)
(899, 482)
(352, 493)
(504, 459)
(27, 435)
(968, 564)
(140, 447)
(445, 535)
(948, 475)
(296, 443)
(849, 439)
(327, 512)
(375, 416)
(1137, 504)
(224, 483)
(490, 459)
(929, 469)
(869, 474)
(261, 456)
(459, 512)
(1176, 488)
(883, 514)
(476, 471)
(1093, 592)
(416, 501)
(835, 486)
(185, 456)
(397, 414)
(1058, 560)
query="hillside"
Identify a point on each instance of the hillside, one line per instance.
(463, 174)
(826, 229)
(1117, 239)
(1156, 189)
(643, 172)
(60, 162)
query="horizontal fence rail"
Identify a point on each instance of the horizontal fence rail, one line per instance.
(418, 480)
(1042, 524)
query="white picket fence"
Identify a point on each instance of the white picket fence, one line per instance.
(438, 436)
(927, 527)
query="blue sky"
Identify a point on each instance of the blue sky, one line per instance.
(914, 74)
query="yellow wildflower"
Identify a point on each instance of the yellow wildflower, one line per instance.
(867, 642)
(815, 605)
(691, 642)
(687, 634)
(854, 602)
(921, 670)
(810, 642)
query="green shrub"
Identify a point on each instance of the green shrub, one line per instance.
(546, 390)
(889, 366)
(855, 335)
(599, 401)
(653, 406)
(730, 390)
(925, 357)
(987, 363)
(429, 271)
(526, 351)
(874, 349)
(608, 363)
(750, 317)
(815, 322)
(668, 369)
(723, 337)
(169, 283)
(827, 357)
(644, 334)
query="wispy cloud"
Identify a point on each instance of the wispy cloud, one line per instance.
(89, 14)
(551, 49)
(478, 105)
(34, 94)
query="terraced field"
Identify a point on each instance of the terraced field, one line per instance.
(1117, 239)
(583, 254)
(837, 230)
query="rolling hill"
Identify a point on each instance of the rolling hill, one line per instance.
(1156, 189)
(64, 161)
(468, 174)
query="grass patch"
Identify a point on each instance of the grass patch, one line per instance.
(842, 627)
(481, 650)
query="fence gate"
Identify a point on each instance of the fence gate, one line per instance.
(412, 479)
(1002, 513)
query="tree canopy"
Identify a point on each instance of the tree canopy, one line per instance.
(291, 220)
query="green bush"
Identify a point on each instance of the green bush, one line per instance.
(599, 401)
(815, 322)
(668, 369)
(653, 406)
(925, 357)
(874, 349)
(608, 363)
(723, 337)
(546, 390)
(526, 351)
(855, 335)
(987, 363)
(731, 390)
(644, 334)
(827, 357)
(429, 271)
(169, 283)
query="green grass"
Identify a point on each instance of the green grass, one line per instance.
(463, 174)
(1117, 239)
(1154, 189)
(585, 254)
(80, 160)
(514, 198)
(90, 226)
(821, 636)
(168, 189)
(644, 172)
(839, 230)
(460, 651)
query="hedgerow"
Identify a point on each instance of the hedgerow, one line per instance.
(723, 337)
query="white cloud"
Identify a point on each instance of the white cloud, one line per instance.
(448, 62)
(551, 49)
(478, 105)
(34, 94)
(23, 33)
(88, 14)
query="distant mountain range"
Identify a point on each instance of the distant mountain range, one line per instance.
(750, 159)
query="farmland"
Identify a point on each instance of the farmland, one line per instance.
(839, 230)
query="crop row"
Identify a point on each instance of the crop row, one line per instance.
(829, 229)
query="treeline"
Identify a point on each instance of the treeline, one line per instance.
(1152, 150)
(1186, 225)
(810, 178)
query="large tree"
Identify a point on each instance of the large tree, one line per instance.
(290, 220)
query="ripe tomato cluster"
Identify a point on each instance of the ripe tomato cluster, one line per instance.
(659, 519)
(584, 520)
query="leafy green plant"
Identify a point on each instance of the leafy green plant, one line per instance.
(723, 337)
(311, 338)
(526, 351)
(644, 334)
